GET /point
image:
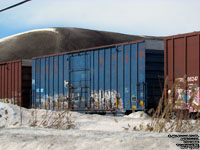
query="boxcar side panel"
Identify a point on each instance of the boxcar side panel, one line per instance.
(10, 82)
(182, 60)
(141, 100)
(42, 80)
(33, 83)
(105, 79)
(47, 102)
(134, 75)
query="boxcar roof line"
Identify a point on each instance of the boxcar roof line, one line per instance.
(88, 49)
(25, 62)
(182, 35)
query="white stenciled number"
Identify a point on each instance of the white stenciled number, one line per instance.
(192, 78)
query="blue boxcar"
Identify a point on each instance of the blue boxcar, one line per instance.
(117, 78)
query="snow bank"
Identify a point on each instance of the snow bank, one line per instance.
(90, 132)
(138, 115)
(9, 115)
(12, 116)
(44, 119)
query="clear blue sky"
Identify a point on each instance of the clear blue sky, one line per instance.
(141, 17)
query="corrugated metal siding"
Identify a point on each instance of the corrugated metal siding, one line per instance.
(182, 58)
(109, 78)
(13, 85)
(10, 81)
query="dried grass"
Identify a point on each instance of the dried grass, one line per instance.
(56, 120)
(51, 119)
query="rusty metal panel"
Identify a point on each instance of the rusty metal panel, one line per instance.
(6, 81)
(179, 57)
(182, 60)
(0, 82)
(170, 62)
(19, 83)
(16, 84)
(11, 81)
(193, 57)
(3, 81)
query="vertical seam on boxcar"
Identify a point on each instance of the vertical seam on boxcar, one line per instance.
(33, 99)
(88, 101)
(84, 88)
(166, 68)
(16, 84)
(10, 82)
(53, 82)
(173, 59)
(35, 83)
(18, 97)
(104, 58)
(130, 76)
(93, 72)
(137, 86)
(199, 57)
(173, 65)
(7, 83)
(0, 81)
(110, 51)
(185, 53)
(69, 76)
(40, 85)
(58, 83)
(3, 82)
(21, 84)
(185, 72)
(117, 70)
(98, 78)
(63, 93)
(123, 61)
(49, 100)
(45, 83)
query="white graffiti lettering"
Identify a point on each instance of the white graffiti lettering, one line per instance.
(192, 78)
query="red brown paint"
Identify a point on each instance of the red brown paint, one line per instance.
(182, 57)
(11, 89)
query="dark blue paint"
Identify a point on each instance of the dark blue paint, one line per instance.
(33, 83)
(47, 81)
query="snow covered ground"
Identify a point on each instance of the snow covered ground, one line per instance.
(93, 132)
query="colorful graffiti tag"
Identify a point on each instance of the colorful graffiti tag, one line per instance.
(190, 98)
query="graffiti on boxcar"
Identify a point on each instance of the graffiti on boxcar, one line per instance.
(101, 100)
(190, 98)
(192, 95)
(106, 100)
(58, 102)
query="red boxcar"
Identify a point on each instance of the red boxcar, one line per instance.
(15, 82)
(182, 66)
